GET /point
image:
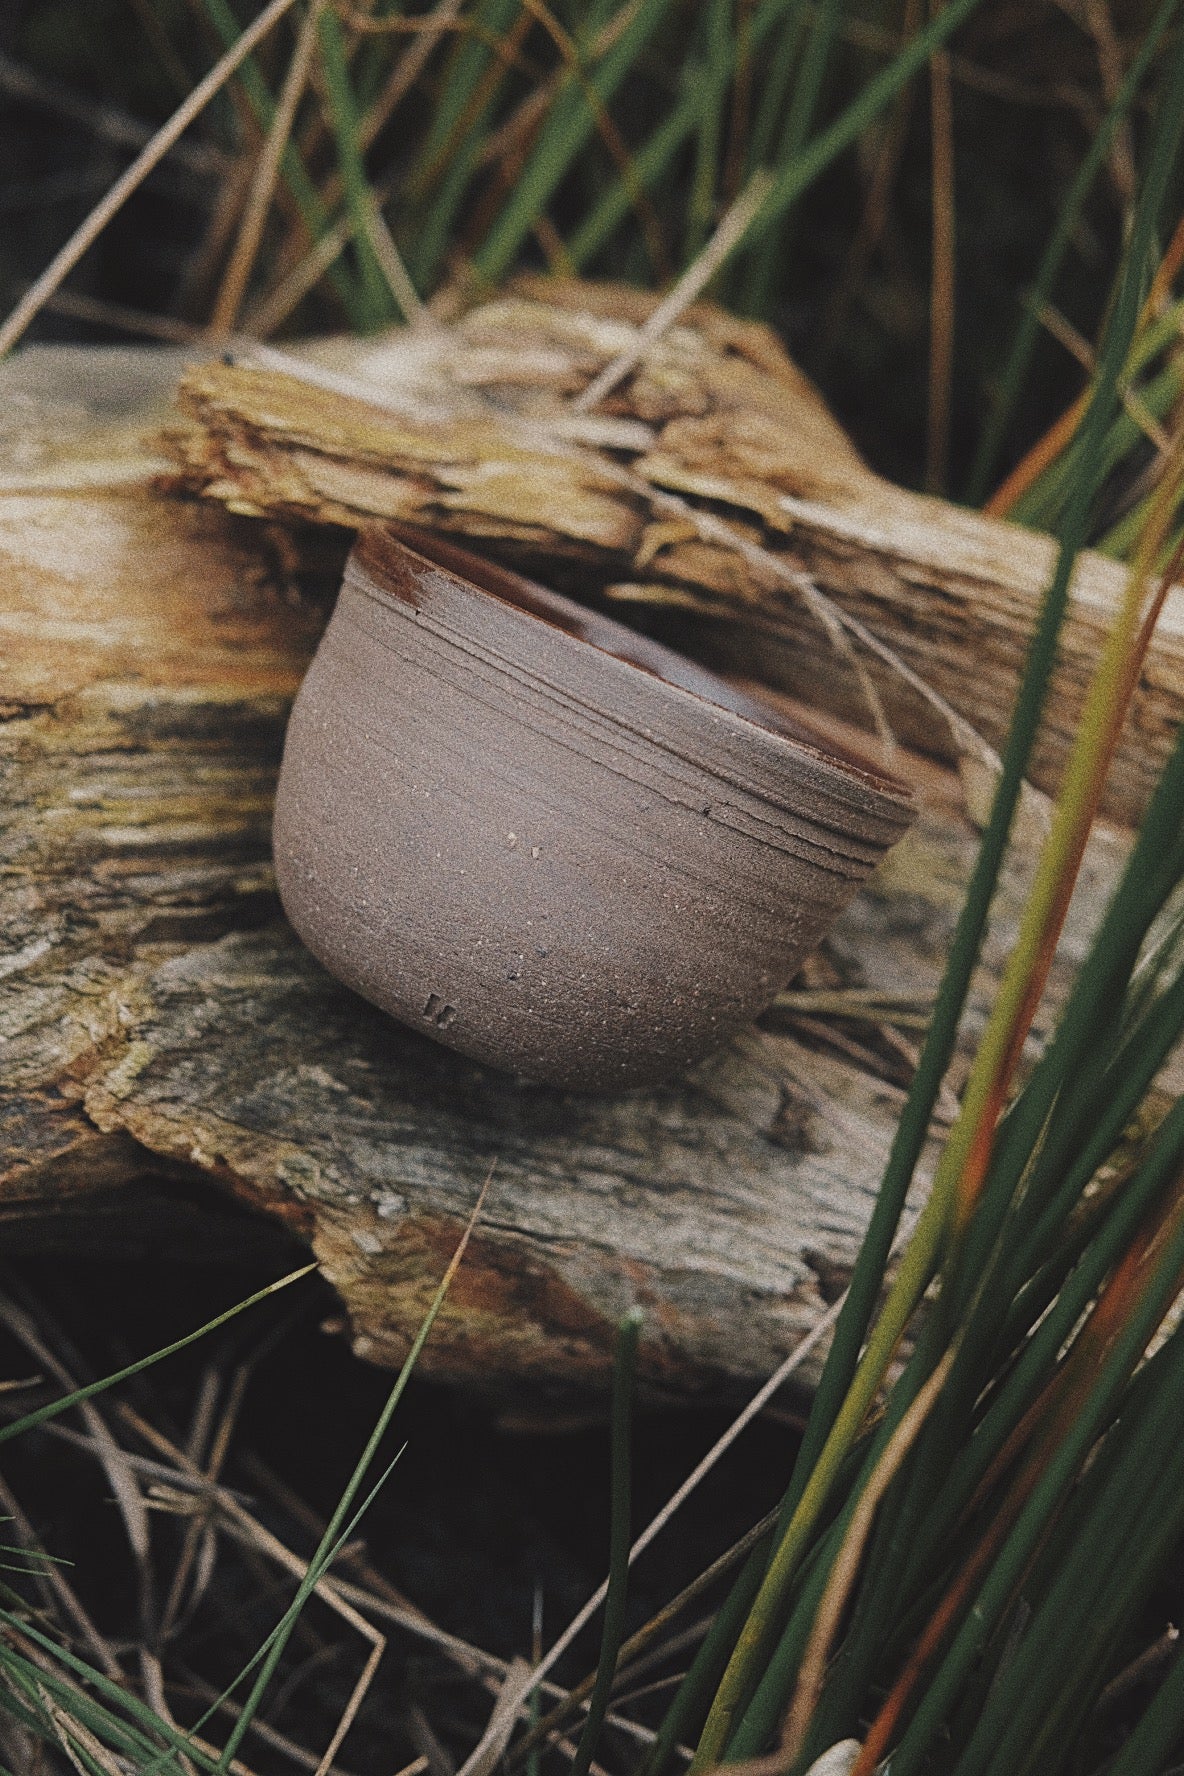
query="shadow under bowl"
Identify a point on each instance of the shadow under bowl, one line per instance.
(546, 840)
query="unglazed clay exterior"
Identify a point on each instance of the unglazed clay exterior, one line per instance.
(545, 840)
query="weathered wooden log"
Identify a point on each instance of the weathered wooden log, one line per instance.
(165, 1035)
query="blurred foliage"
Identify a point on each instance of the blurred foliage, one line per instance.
(612, 139)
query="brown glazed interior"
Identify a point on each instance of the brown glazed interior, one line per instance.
(548, 841)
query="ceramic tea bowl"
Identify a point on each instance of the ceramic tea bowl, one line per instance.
(546, 840)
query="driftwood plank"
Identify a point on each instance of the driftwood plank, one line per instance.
(159, 1021)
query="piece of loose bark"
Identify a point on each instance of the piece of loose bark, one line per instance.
(466, 430)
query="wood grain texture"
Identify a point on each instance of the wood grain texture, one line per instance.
(165, 1039)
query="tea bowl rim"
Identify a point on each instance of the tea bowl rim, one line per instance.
(380, 546)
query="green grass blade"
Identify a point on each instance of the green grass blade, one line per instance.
(913, 1128)
(55, 1407)
(719, 55)
(1094, 1059)
(777, 19)
(947, 1425)
(319, 1565)
(139, 1735)
(620, 1538)
(688, 1710)
(1040, 503)
(656, 154)
(333, 1529)
(468, 62)
(649, 163)
(456, 137)
(1112, 1549)
(933, 1712)
(564, 136)
(758, 1724)
(768, 253)
(1125, 1085)
(776, 92)
(1039, 1357)
(1039, 506)
(377, 304)
(800, 173)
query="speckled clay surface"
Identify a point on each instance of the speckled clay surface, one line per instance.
(545, 840)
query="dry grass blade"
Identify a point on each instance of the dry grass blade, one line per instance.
(76, 1739)
(390, 263)
(266, 1735)
(690, 286)
(972, 1143)
(114, 1462)
(154, 1472)
(1063, 331)
(1140, 1668)
(836, 624)
(377, 1594)
(198, 1549)
(378, 1598)
(257, 1536)
(204, 1408)
(1100, 25)
(506, 1707)
(125, 318)
(53, 1582)
(846, 1567)
(264, 177)
(529, 114)
(84, 236)
(274, 309)
(645, 1648)
(152, 1680)
(409, 67)
(876, 206)
(255, 1532)
(1049, 1420)
(423, 1734)
(356, 1697)
(1056, 440)
(103, 119)
(329, 1545)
